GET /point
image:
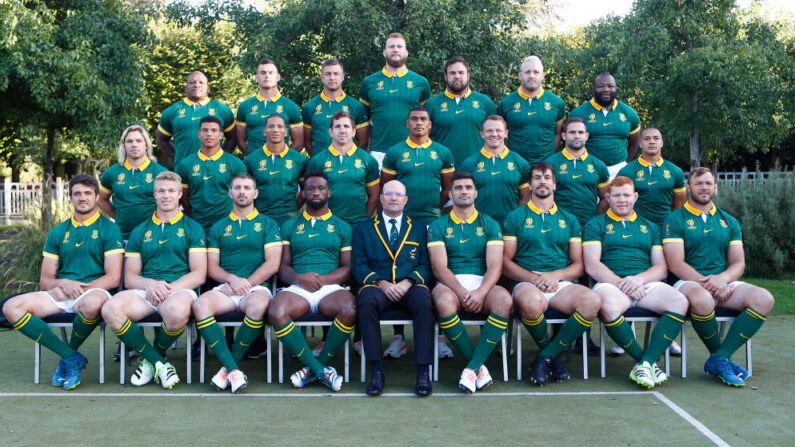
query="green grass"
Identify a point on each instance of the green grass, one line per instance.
(782, 289)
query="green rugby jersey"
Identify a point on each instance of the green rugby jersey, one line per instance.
(253, 112)
(164, 246)
(316, 115)
(706, 237)
(532, 123)
(457, 125)
(608, 135)
(420, 169)
(208, 180)
(498, 180)
(316, 247)
(578, 182)
(465, 241)
(542, 237)
(80, 248)
(241, 242)
(278, 177)
(626, 243)
(655, 184)
(349, 176)
(389, 99)
(132, 192)
(181, 121)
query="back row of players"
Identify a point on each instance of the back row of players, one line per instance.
(345, 180)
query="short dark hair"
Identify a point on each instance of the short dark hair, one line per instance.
(276, 115)
(462, 175)
(542, 167)
(698, 172)
(320, 174)
(649, 128)
(266, 61)
(419, 109)
(330, 62)
(212, 119)
(84, 179)
(340, 115)
(455, 60)
(243, 176)
(573, 119)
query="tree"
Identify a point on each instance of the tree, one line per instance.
(716, 80)
(71, 69)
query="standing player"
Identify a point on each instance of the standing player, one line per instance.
(389, 95)
(207, 175)
(130, 182)
(243, 252)
(465, 248)
(612, 125)
(543, 255)
(659, 183)
(352, 173)
(82, 261)
(181, 120)
(316, 261)
(703, 246)
(253, 112)
(458, 113)
(534, 115)
(166, 261)
(317, 113)
(623, 253)
(501, 176)
(278, 170)
(425, 167)
(582, 180)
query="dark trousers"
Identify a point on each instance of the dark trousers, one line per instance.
(417, 300)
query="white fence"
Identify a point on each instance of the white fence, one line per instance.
(733, 178)
(16, 199)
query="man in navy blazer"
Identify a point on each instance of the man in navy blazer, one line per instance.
(390, 261)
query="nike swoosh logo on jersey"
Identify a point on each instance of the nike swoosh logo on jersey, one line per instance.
(607, 124)
(208, 177)
(393, 91)
(576, 176)
(341, 171)
(626, 236)
(241, 237)
(548, 229)
(79, 244)
(134, 186)
(531, 113)
(163, 242)
(707, 231)
(463, 241)
(194, 118)
(458, 111)
(329, 116)
(273, 172)
(651, 183)
(495, 173)
(419, 164)
(313, 235)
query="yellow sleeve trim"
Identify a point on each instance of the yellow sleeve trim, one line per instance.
(163, 131)
(50, 255)
(185, 186)
(364, 102)
(587, 243)
(345, 249)
(374, 182)
(735, 243)
(102, 188)
(308, 126)
(680, 189)
(656, 247)
(560, 120)
(285, 242)
(293, 126)
(389, 171)
(422, 103)
(575, 239)
(524, 185)
(673, 240)
(214, 250)
(240, 123)
(602, 185)
(368, 277)
(273, 244)
(132, 255)
(508, 238)
(115, 251)
(494, 243)
(231, 126)
(197, 250)
(637, 129)
(362, 125)
(435, 244)
(447, 171)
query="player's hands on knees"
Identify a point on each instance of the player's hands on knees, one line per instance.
(390, 290)
(58, 294)
(547, 282)
(310, 281)
(157, 292)
(475, 301)
(238, 285)
(632, 286)
(713, 284)
(72, 289)
(723, 294)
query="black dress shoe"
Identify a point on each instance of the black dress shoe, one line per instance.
(376, 386)
(423, 387)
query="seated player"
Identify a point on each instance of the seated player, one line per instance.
(316, 261)
(543, 255)
(166, 261)
(82, 261)
(244, 250)
(465, 249)
(703, 246)
(623, 253)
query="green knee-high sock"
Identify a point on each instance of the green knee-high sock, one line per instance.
(620, 331)
(82, 327)
(336, 337)
(538, 330)
(456, 332)
(665, 332)
(574, 326)
(706, 326)
(165, 338)
(246, 335)
(744, 327)
(214, 336)
(489, 337)
(133, 337)
(36, 329)
(292, 338)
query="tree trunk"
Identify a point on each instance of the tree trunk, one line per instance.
(46, 188)
(695, 153)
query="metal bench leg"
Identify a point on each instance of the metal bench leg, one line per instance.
(281, 363)
(270, 351)
(347, 360)
(122, 362)
(602, 371)
(202, 359)
(189, 344)
(102, 353)
(748, 360)
(518, 352)
(63, 335)
(668, 362)
(36, 362)
(505, 353)
(683, 359)
(436, 353)
(361, 371)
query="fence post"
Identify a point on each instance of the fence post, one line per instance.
(6, 211)
(58, 192)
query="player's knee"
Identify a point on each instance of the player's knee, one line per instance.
(444, 301)
(589, 304)
(113, 314)
(256, 306)
(175, 318)
(701, 301)
(202, 308)
(14, 309)
(91, 304)
(762, 301)
(347, 313)
(678, 303)
(610, 309)
(277, 314)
